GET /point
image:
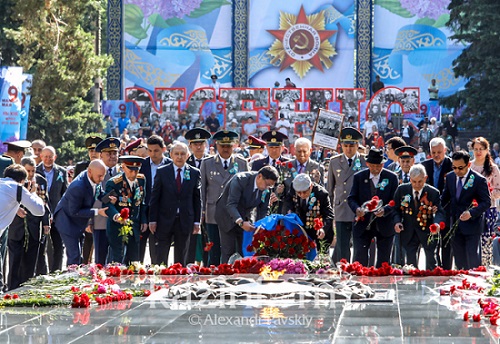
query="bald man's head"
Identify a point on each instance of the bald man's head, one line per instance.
(96, 171)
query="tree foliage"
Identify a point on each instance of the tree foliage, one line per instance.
(477, 22)
(54, 40)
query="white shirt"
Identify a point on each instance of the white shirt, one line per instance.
(375, 179)
(419, 193)
(8, 195)
(182, 171)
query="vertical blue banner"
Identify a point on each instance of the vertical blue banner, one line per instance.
(11, 80)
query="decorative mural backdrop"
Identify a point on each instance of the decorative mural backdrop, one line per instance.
(170, 49)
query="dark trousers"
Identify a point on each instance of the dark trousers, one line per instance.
(181, 244)
(344, 237)
(145, 236)
(120, 252)
(362, 247)
(193, 248)
(100, 246)
(398, 254)
(445, 252)
(467, 250)
(55, 251)
(22, 260)
(42, 267)
(215, 252)
(88, 246)
(73, 246)
(412, 248)
(230, 243)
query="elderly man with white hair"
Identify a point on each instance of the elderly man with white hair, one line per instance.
(417, 208)
(303, 163)
(436, 168)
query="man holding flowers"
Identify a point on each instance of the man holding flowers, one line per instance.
(373, 222)
(417, 208)
(129, 188)
(467, 197)
(310, 201)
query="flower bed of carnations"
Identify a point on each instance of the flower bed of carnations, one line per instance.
(93, 284)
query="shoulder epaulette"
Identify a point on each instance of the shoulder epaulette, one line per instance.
(140, 176)
(118, 179)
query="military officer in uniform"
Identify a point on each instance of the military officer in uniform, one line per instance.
(341, 170)
(255, 145)
(129, 187)
(90, 143)
(406, 159)
(197, 138)
(216, 172)
(275, 145)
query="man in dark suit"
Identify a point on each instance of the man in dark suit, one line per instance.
(74, 210)
(463, 187)
(304, 164)
(245, 199)
(155, 160)
(129, 187)
(25, 231)
(197, 138)
(57, 182)
(374, 181)
(341, 170)
(309, 201)
(108, 150)
(417, 208)
(175, 205)
(437, 168)
(90, 143)
(216, 172)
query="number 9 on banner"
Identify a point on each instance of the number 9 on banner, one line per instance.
(13, 93)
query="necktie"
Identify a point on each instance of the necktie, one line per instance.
(225, 164)
(97, 192)
(405, 179)
(274, 162)
(178, 180)
(301, 168)
(110, 171)
(416, 200)
(459, 188)
(198, 163)
(349, 161)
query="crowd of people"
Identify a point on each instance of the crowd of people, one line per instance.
(201, 197)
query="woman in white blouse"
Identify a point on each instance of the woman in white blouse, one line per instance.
(484, 164)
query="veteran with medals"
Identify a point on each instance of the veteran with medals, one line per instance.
(417, 207)
(311, 201)
(129, 187)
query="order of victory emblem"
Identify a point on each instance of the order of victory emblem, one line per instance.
(302, 43)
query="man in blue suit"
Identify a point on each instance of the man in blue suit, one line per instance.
(74, 210)
(374, 181)
(462, 187)
(175, 205)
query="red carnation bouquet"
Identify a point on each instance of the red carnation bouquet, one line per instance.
(372, 206)
(126, 228)
(281, 243)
